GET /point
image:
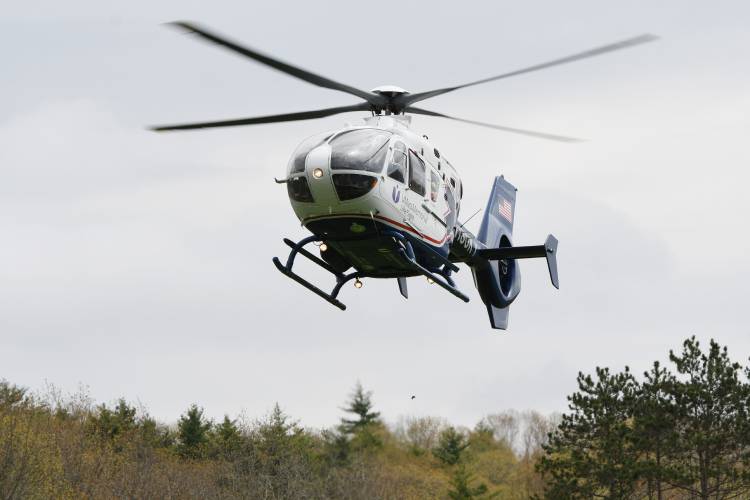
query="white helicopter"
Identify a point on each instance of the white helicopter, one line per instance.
(381, 201)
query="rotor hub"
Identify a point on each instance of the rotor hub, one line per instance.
(389, 91)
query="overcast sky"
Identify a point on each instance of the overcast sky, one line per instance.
(139, 264)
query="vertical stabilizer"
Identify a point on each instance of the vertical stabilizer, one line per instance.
(499, 214)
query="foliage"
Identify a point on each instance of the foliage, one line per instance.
(683, 433)
(361, 405)
(450, 446)
(679, 431)
(192, 433)
(461, 488)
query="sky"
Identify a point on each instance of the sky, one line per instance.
(138, 265)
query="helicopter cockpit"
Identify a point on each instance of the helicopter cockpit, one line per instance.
(358, 155)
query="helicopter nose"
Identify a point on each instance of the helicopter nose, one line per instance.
(317, 168)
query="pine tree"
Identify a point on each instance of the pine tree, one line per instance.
(364, 433)
(461, 488)
(591, 452)
(655, 429)
(192, 433)
(360, 404)
(226, 437)
(450, 446)
(279, 440)
(11, 394)
(713, 422)
(109, 425)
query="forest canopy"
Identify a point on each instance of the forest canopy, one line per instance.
(679, 430)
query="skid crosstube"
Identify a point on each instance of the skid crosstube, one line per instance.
(404, 248)
(341, 278)
(308, 285)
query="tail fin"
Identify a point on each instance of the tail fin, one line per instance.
(499, 214)
(498, 284)
(495, 267)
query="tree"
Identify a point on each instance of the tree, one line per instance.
(109, 425)
(591, 453)
(192, 433)
(226, 437)
(364, 432)
(655, 429)
(450, 446)
(420, 434)
(687, 431)
(274, 434)
(505, 427)
(461, 488)
(360, 404)
(711, 404)
(11, 394)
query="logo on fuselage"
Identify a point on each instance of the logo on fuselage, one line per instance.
(396, 194)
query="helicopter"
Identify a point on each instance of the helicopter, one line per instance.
(382, 201)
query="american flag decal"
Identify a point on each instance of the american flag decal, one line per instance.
(506, 210)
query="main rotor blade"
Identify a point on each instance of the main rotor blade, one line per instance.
(288, 117)
(300, 73)
(408, 99)
(539, 135)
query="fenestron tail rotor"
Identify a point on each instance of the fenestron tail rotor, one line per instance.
(382, 99)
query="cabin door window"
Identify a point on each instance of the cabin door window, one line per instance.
(416, 174)
(397, 165)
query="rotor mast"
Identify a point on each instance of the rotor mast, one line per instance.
(390, 93)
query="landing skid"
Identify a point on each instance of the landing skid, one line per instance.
(441, 277)
(404, 248)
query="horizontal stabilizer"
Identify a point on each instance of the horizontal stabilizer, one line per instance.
(548, 251)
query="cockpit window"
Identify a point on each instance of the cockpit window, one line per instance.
(397, 166)
(360, 149)
(300, 154)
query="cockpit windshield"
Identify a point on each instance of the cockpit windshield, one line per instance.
(297, 163)
(360, 149)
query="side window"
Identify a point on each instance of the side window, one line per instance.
(434, 185)
(453, 182)
(416, 174)
(397, 166)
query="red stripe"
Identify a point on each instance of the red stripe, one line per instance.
(409, 228)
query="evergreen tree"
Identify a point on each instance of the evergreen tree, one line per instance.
(109, 425)
(360, 404)
(364, 432)
(655, 429)
(450, 446)
(461, 488)
(226, 437)
(711, 402)
(591, 453)
(156, 435)
(192, 433)
(11, 394)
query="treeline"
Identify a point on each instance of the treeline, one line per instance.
(679, 433)
(55, 447)
(676, 432)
